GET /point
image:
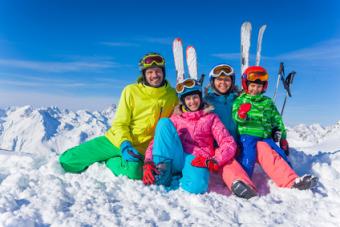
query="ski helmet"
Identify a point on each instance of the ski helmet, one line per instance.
(222, 69)
(188, 87)
(255, 74)
(151, 60)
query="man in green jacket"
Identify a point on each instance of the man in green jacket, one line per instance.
(256, 117)
(140, 107)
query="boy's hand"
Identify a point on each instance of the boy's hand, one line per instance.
(276, 134)
(243, 110)
(284, 146)
(202, 162)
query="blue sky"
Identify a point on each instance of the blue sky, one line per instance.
(80, 54)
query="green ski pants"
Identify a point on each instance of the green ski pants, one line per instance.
(78, 158)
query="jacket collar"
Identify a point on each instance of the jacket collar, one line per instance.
(193, 115)
(155, 91)
(255, 98)
(221, 98)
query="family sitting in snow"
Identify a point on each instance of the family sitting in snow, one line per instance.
(179, 142)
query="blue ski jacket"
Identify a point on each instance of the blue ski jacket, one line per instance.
(223, 105)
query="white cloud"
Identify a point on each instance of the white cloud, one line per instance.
(58, 67)
(159, 40)
(328, 50)
(40, 99)
(20, 80)
(227, 56)
(119, 44)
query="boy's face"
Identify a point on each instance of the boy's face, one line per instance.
(193, 102)
(154, 76)
(254, 89)
(223, 83)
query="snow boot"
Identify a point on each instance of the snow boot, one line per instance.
(242, 190)
(305, 182)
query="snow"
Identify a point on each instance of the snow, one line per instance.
(35, 191)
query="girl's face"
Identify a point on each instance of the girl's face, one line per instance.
(223, 84)
(255, 89)
(193, 102)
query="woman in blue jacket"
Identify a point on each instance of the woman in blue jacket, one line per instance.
(221, 93)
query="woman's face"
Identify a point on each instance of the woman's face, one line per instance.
(193, 102)
(223, 84)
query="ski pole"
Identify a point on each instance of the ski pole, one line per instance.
(287, 82)
(280, 74)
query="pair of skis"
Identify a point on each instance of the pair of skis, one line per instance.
(191, 59)
(287, 82)
(245, 44)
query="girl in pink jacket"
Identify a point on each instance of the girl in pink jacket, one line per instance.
(183, 152)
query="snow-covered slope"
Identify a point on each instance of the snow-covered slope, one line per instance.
(35, 191)
(314, 138)
(50, 129)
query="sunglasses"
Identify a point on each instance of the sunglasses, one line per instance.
(187, 83)
(253, 76)
(219, 70)
(153, 60)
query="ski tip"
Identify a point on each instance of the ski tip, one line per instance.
(190, 47)
(263, 27)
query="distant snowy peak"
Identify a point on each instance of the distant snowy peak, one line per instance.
(316, 136)
(48, 129)
(32, 129)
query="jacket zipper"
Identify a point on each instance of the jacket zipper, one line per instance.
(160, 113)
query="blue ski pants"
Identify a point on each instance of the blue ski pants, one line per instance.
(174, 163)
(247, 157)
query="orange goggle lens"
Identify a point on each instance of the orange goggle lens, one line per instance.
(253, 76)
(189, 83)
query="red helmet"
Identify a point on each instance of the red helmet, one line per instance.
(255, 74)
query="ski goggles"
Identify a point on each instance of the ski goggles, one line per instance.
(253, 76)
(187, 83)
(150, 60)
(219, 70)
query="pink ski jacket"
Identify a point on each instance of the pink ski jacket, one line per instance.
(197, 131)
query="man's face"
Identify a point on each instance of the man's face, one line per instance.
(154, 76)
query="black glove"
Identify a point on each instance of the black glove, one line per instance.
(276, 134)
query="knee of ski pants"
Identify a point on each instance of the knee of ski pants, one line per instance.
(164, 122)
(248, 148)
(120, 167)
(195, 180)
(276, 148)
(68, 162)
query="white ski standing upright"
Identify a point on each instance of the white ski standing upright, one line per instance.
(259, 44)
(245, 45)
(192, 62)
(177, 49)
